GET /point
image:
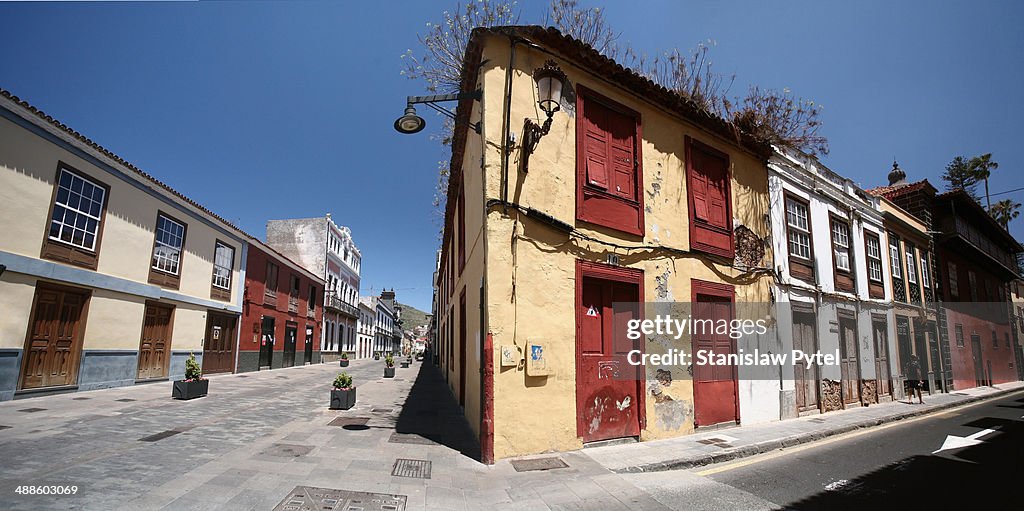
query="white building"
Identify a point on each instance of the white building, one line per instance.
(832, 292)
(365, 336)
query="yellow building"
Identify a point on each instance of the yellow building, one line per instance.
(628, 195)
(109, 276)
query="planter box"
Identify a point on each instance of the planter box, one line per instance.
(344, 362)
(343, 399)
(190, 389)
(405, 364)
(389, 372)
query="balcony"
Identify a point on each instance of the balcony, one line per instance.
(336, 304)
(963, 230)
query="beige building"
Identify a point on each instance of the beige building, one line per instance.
(110, 276)
(624, 194)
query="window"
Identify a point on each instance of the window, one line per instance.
(925, 277)
(972, 283)
(841, 245)
(894, 256)
(296, 283)
(223, 262)
(874, 256)
(76, 219)
(995, 340)
(77, 211)
(911, 263)
(311, 304)
(799, 229)
(954, 289)
(709, 197)
(270, 285)
(608, 169)
(1007, 336)
(959, 336)
(169, 240)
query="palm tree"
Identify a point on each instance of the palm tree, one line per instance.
(1004, 211)
(982, 167)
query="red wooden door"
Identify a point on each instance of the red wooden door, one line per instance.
(607, 403)
(714, 386)
(54, 341)
(156, 341)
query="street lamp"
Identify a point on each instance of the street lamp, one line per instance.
(410, 123)
(550, 82)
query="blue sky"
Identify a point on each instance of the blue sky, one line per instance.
(278, 110)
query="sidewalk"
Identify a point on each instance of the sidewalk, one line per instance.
(727, 444)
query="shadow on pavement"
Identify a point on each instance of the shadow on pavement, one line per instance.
(432, 413)
(983, 476)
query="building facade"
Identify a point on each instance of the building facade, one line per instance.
(281, 312)
(630, 196)
(110, 276)
(326, 249)
(365, 329)
(832, 291)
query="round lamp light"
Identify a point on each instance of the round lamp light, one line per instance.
(410, 122)
(550, 81)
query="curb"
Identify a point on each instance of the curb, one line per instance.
(793, 440)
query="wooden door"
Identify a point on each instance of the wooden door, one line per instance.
(307, 356)
(850, 369)
(805, 375)
(156, 341)
(462, 347)
(607, 403)
(290, 333)
(980, 378)
(714, 386)
(219, 345)
(882, 357)
(54, 342)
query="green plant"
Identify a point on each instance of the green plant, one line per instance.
(344, 356)
(389, 361)
(192, 370)
(342, 382)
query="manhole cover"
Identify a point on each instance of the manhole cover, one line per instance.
(31, 410)
(419, 469)
(308, 498)
(125, 400)
(381, 410)
(287, 450)
(159, 436)
(349, 421)
(80, 398)
(410, 438)
(538, 464)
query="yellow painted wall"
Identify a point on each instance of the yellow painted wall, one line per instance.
(28, 167)
(531, 268)
(115, 321)
(16, 292)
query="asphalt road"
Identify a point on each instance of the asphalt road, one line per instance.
(896, 465)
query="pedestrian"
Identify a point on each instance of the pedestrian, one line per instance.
(914, 381)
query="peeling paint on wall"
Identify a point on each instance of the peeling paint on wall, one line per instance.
(669, 413)
(662, 292)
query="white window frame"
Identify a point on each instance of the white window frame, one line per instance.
(894, 259)
(841, 248)
(171, 262)
(875, 258)
(799, 236)
(218, 266)
(911, 263)
(83, 223)
(926, 280)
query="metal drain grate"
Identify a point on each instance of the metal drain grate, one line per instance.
(159, 436)
(419, 469)
(308, 498)
(5, 427)
(349, 421)
(819, 421)
(538, 464)
(125, 400)
(81, 398)
(32, 410)
(242, 375)
(410, 438)
(381, 410)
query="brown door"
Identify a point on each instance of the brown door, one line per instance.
(219, 345)
(714, 386)
(606, 384)
(882, 357)
(55, 338)
(850, 369)
(805, 374)
(156, 341)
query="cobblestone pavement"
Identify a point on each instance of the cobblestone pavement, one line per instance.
(257, 436)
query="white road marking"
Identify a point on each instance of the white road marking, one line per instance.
(956, 442)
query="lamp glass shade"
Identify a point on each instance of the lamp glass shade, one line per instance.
(410, 122)
(549, 92)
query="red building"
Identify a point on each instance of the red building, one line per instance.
(281, 312)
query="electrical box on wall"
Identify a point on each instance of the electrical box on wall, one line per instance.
(536, 360)
(509, 357)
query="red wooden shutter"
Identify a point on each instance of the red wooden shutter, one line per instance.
(716, 174)
(709, 197)
(596, 146)
(699, 191)
(621, 147)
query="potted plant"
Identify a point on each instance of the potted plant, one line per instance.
(343, 393)
(389, 367)
(194, 385)
(344, 360)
